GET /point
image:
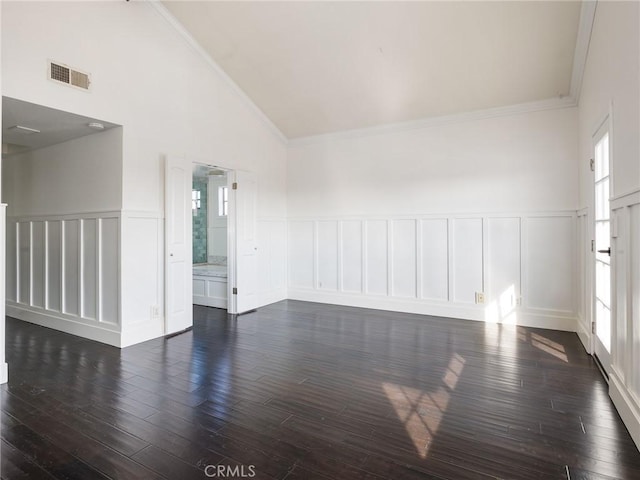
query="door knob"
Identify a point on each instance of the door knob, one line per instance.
(607, 251)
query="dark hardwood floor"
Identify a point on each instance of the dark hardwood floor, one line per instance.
(304, 391)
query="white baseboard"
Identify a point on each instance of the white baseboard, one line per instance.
(627, 408)
(528, 318)
(67, 325)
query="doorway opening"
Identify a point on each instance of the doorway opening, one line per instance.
(602, 257)
(240, 199)
(62, 183)
(210, 213)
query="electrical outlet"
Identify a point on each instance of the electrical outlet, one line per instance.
(155, 311)
(479, 297)
(519, 301)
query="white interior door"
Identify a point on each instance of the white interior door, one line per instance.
(178, 249)
(245, 192)
(602, 307)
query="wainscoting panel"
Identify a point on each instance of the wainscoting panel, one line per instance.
(38, 258)
(624, 379)
(523, 264)
(89, 268)
(502, 270)
(63, 273)
(620, 270)
(142, 255)
(24, 263)
(633, 303)
(404, 259)
(71, 264)
(301, 254)
(583, 253)
(376, 268)
(4, 236)
(434, 247)
(550, 263)
(11, 261)
(108, 278)
(467, 259)
(351, 255)
(327, 255)
(54, 265)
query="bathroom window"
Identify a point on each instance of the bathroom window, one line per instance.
(223, 201)
(195, 200)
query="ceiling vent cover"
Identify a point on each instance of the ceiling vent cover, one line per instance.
(59, 72)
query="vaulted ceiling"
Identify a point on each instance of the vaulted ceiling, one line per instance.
(319, 67)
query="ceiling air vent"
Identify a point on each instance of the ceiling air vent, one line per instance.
(69, 76)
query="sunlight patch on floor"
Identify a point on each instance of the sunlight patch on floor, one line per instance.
(549, 346)
(421, 412)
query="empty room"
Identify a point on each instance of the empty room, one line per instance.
(320, 240)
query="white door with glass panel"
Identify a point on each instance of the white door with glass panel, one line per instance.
(602, 306)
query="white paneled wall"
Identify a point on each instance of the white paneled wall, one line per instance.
(583, 274)
(4, 371)
(503, 256)
(352, 251)
(523, 264)
(625, 346)
(142, 274)
(327, 253)
(302, 247)
(466, 259)
(549, 260)
(403, 254)
(434, 259)
(62, 272)
(375, 273)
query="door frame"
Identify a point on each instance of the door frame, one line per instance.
(231, 233)
(189, 163)
(606, 123)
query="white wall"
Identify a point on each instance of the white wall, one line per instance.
(510, 163)
(421, 219)
(610, 88)
(81, 175)
(170, 101)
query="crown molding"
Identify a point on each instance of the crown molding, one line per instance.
(428, 122)
(193, 43)
(587, 17)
